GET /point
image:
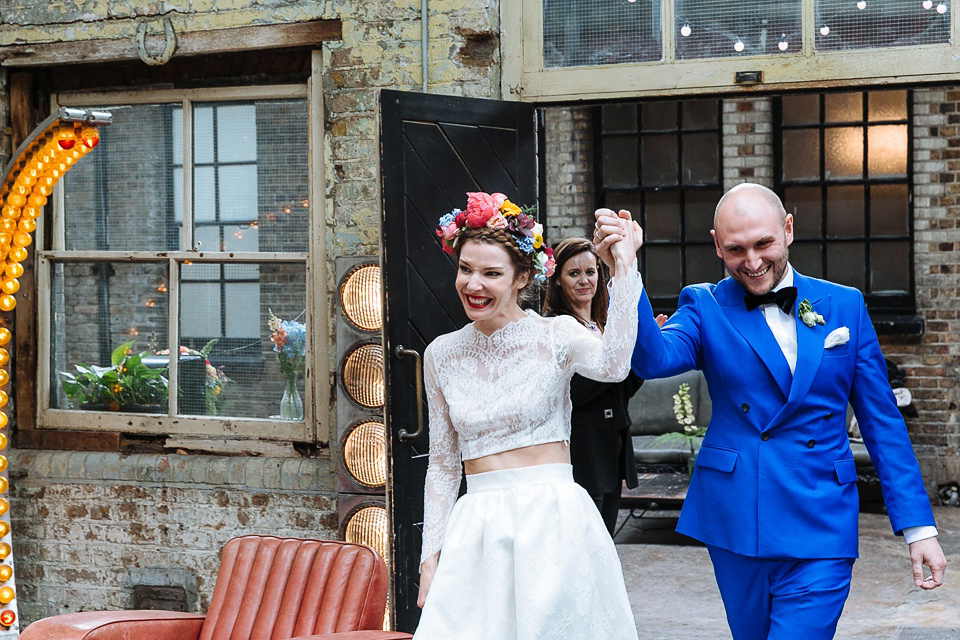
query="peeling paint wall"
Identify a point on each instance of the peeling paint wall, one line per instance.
(88, 526)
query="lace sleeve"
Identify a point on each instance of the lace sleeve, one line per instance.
(443, 467)
(608, 359)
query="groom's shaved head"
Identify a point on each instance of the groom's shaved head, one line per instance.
(735, 199)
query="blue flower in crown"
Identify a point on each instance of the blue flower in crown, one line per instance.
(525, 244)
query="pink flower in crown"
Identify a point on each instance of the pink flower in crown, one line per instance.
(497, 221)
(450, 231)
(482, 206)
(551, 262)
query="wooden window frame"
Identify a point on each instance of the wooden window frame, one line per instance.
(315, 427)
(524, 76)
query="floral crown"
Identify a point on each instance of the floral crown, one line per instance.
(494, 211)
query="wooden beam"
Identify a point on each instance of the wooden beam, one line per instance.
(275, 36)
(23, 119)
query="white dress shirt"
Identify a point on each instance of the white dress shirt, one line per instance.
(784, 329)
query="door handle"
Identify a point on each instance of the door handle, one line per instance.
(400, 351)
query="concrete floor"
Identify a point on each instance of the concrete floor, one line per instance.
(674, 596)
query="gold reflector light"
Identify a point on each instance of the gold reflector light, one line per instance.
(365, 453)
(360, 297)
(368, 525)
(362, 375)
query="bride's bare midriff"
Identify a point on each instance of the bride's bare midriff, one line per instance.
(548, 453)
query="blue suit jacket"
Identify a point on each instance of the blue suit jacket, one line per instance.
(775, 476)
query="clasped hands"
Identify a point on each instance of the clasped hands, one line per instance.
(612, 228)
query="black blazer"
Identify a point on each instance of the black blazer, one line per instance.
(601, 448)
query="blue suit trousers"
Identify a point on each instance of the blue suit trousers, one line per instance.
(781, 599)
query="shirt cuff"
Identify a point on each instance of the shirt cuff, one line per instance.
(916, 534)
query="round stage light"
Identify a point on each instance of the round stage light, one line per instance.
(368, 525)
(362, 375)
(361, 297)
(365, 453)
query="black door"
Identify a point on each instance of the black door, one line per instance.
(433, 150)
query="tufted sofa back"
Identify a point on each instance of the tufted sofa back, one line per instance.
(272, 587)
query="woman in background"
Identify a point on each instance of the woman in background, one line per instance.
(600, 445)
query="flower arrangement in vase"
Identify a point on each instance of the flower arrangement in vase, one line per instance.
(290, 342)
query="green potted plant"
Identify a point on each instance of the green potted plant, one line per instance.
(126, 385)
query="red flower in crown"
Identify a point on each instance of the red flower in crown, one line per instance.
(482, 206)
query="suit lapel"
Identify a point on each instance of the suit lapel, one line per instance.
(809, 346)
(752, 326)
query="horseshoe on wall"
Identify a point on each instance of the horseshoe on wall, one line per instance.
(170, 44)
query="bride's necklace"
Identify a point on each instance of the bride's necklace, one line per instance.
(589, 324)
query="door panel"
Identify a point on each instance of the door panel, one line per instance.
(434, 149)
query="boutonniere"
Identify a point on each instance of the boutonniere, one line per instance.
(807, 314)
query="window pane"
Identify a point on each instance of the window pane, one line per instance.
(846, 262)
(701, 155)
(889, 267)
(98, 306)
(659, 160)
(801, 154)
(880, 23)
(577, 33)
(659, 116)
(845, 212)
(889, 207)
(887, 150)
(843, 156)
(887, 105)
(707, 30)
(235, 310)
(619, 118)
(700, 114)
(257, 175)
(662, 215)
(843, 107)
(703, 265)
(630, 201)
(805, 258)
(237, 133)
(203, 138)
(699, 207)
(662, 274)
(804, 204)
(245, 237)
(801, 109)
(126, 203)
(620, 162)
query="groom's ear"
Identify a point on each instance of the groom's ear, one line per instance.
(788, 228)
(716, 243)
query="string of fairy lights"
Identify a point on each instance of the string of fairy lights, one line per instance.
(38, 164)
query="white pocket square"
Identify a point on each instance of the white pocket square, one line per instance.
(837, 337)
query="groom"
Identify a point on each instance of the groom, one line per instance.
(774, 494)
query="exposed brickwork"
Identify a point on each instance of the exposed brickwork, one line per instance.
(86, 525)
(932, 361)
(747, 141)
(569, 168)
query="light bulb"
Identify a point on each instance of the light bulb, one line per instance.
(738, 45)
(941, 8)
(685, 30)
(862, 5)
(824, 30)
(783, 44)
(927, 4)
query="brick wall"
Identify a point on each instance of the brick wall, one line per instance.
(747, 142)
(931, 362)
(90, 527)
(570, 198)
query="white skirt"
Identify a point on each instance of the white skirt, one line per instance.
(526, 556)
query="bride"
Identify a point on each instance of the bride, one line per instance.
(524, 553)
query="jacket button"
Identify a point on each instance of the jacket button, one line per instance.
(764, 436)
(745, 407)
(828, 416)
(811, 443)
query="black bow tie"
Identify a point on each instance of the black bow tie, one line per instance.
(784, 298)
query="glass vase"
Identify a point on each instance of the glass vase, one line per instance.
(291, 406)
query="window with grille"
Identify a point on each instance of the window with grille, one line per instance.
(662, 161)
(182, 235)
(843, 170)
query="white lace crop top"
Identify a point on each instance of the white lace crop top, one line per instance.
(511, 389)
